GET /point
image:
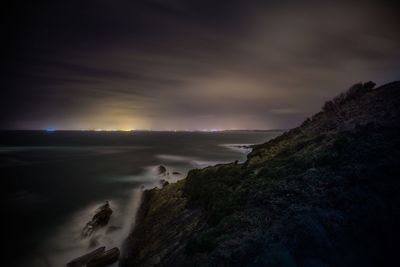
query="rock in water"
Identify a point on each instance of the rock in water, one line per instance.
(162, 170)
(164, 182)
(83, 260)
(105, 259)
(100, 219)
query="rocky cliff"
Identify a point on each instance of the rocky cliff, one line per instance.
(324, 194)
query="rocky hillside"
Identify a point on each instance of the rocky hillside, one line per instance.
(324, 194)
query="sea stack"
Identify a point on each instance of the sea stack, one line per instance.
(99, 220)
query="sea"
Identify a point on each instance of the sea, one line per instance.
(53, 182)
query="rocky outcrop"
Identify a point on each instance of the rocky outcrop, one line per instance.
(96, 258)
(162, 170)
(164, 182)
(323, 194)
(105, 259)
(99, 220)
(172, 224)
(83, 260)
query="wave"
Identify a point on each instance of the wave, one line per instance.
(241, 148)
(191, 161)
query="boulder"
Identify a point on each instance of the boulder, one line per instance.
(162, 170)
(105, 259)
(97, 258)
(164, 182)
(83, 260)
(99, 220)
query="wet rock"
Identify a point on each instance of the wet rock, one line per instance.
(164, 182)
(99, 220)
(162, 170)
(105, 259)
(97, 258)
(83, 260)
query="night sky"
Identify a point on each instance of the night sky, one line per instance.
(188, 65)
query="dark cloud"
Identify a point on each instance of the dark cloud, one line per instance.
(167, 64)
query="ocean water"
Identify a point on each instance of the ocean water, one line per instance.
(52, 183)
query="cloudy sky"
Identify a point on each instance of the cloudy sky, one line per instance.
(188, 64)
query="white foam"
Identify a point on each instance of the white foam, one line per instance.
(241, 148)
(175, 158)
(67, 244)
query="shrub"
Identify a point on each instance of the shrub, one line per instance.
(353, 92)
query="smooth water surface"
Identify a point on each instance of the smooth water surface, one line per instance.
(54, 181)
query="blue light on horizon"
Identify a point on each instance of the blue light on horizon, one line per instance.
(50, 130)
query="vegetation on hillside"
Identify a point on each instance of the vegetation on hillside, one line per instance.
(323, 194)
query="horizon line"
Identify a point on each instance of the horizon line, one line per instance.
(140, 130)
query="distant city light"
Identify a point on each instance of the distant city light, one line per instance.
(211, 130)
(50, 130)
(113, 130)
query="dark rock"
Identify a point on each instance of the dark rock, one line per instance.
(168, 235)
(369, 85)
(104, 259)
(164, 182)
(162, 170)
(99, 220)
(176, 173)
(83, 260)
